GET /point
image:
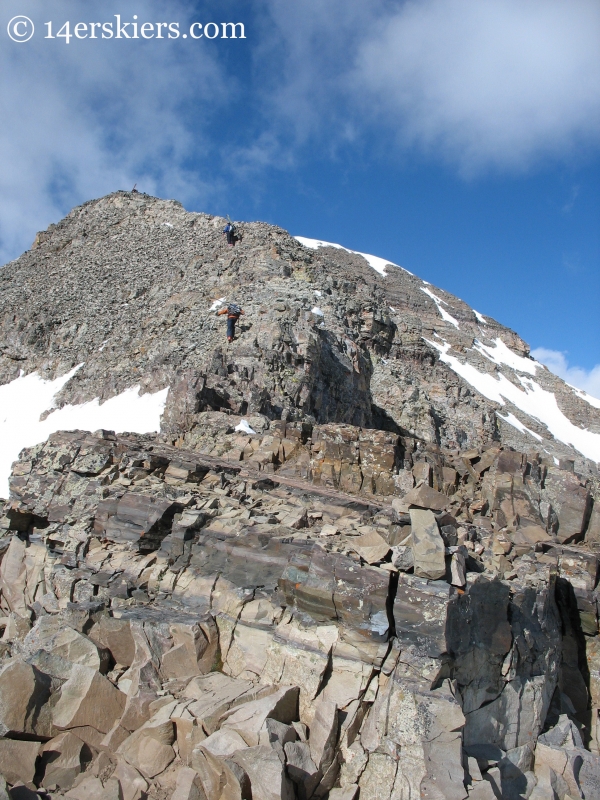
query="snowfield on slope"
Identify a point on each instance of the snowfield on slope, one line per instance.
(378, 264)
(516, 423)
(25, 399)
(531, 400)
(501, 354)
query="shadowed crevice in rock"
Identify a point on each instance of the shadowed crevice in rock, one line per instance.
(574, 675)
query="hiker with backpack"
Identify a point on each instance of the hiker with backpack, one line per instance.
(233, 312)
(229, 231)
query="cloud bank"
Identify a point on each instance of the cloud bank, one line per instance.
(497, 84)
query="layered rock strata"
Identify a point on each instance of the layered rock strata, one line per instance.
(213, 623)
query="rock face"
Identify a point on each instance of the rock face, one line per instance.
(124, 287)
(272, 635)
(331, 574)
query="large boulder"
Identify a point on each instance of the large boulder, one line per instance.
(87, 698)
(24, 691)
(50, 634)
(266, 772)
(249, 718)
(149, 748)
(570, 501)
(427, 545)
(64, 758)
(18, 760)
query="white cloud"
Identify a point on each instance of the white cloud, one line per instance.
(497, 83)
(586, 380)
(87, 118)
(568, 206)
(500, 83)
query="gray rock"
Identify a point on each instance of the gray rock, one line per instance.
(18, 760)
(224, 743)
(425, 497)
(564, 734)
(402, 557)
(24, 691)
(266, 773)
(421, 614)
(427, 545)
(279, 732)
(87, 698)
(346, 793)
(249, 718)
(301, 768)
(486, 755)
(323, 734)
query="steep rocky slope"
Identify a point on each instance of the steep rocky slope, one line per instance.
(123, 287)
(358, 559)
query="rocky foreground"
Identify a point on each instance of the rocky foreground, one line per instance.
(305, 611)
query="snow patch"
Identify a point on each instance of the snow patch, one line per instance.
(23, 400)
(480, 317)
(378, 264)
(243, 427)
(501, 354)
(168, 224)
(316, 310)
(217, 303)
(318, 293)
(443, 313)
(516, 423)
(532, 400)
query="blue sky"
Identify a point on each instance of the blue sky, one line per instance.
(458, 138)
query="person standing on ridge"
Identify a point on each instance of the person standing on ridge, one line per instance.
(229, 232)
(233, 312)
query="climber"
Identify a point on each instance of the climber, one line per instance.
(233, 312)
(229, 231)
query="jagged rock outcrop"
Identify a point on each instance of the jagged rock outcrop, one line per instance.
(124, 286)
(353, 562)
(182, 625)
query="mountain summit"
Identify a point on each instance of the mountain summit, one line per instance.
(352, 553)
(119, 298)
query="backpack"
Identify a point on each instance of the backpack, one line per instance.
(232, 308)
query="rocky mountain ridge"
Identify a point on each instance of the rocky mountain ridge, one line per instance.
(348, 565)
(124, 286)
